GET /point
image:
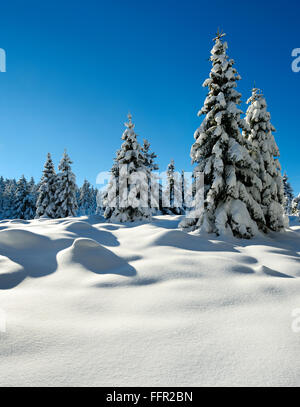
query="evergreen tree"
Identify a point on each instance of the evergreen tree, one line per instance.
(94, 193)
(108, 199)
(173, 191)
(33, 189)
(65, 189)
(2, 196)
(127, 194)
(101, 197)
(288, 194)
(31, 185)
(186, 191)
(77, 194)
(24, 205)
(220, 153)
(296, 206)
(83, 198)
(153, 192)
(9, 199)
(264, 152)
(149, 156)
(162, 209)
(45, 205)
(86, 201)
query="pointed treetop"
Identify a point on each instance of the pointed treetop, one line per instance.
(65, 160)
(219, 35)
(256, 91)
(49, 156)
(130, 125)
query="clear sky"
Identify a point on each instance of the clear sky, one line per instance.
(75, 69)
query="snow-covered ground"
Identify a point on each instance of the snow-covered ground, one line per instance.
(93, 303)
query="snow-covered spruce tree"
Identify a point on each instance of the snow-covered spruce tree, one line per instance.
(127, 194)
(184, 186)
(65, 189)
(186, 191)
(77, 195)
(107, 200)
(296, 206)
(9, 198)
(86, 201)
(173, 191)
(45, 205)
(31, 185)
(2, 196)
(33, 189)
(94, 193)
(153, 192)
(264, 151)
(24, 205)
(220, 153)
(100, 197)
(149, 156)
(288, 195)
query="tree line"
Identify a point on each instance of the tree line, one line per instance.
(243, 189)
(56, 195)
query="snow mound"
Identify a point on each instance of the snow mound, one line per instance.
(77, 226)
(84, 229)
(182, 240)
(158, 307)
(94, 257)
(21, 239)
(273, 273)
(11, 273)
(34, 254)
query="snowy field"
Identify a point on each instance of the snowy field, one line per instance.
(93, 303)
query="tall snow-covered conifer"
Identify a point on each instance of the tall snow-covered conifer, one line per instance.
(108, 199)
(45, 205)
(65, 189)
(87, 199)
(173, 191)
(220, 153)
(264, 152)
(24, 205)
(186, 193)
(2, 196)
(100, 197)
(9, 198)
(127, 195)
(296, 206)
(149, 156)
(153, 187)
(288, 194)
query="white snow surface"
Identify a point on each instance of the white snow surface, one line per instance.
(90, 303)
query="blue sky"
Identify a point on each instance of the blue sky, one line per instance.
(75, 69)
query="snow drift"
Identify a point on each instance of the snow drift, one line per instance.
(90, 303)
